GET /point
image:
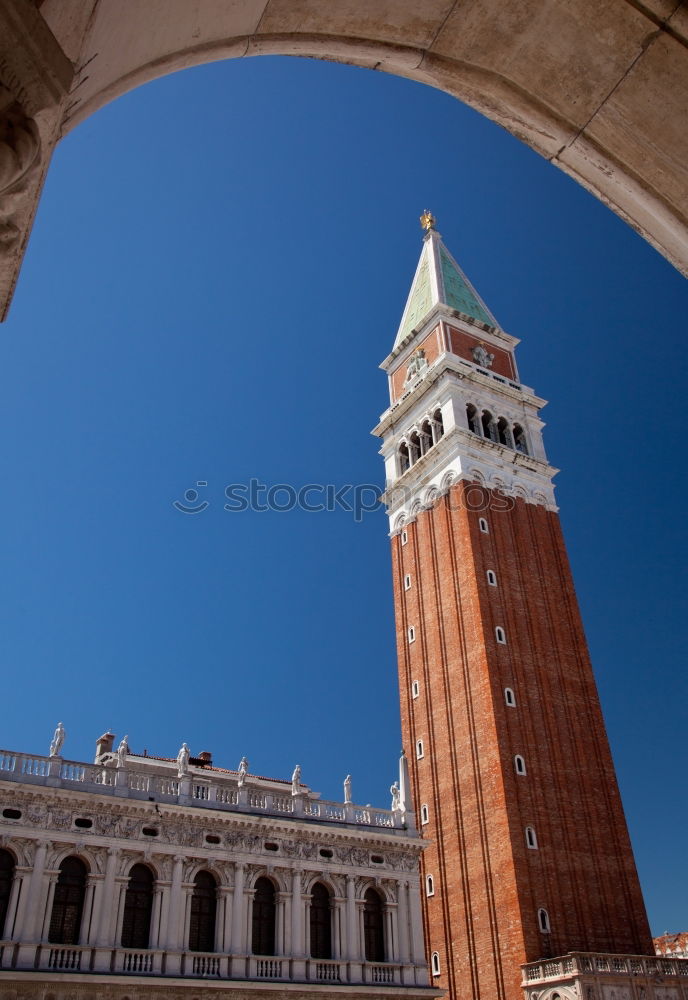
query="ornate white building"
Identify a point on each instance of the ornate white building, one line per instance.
(137, 875)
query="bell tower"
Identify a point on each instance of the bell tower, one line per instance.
(528, 852)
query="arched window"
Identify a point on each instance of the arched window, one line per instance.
(488, 424)
(472, 419)
(404, 460)
(420, 752)
(424, 815)
(203, 907)
(438, 424)
(492, 578)
(6, 879)
(519, 764)
(68, 902)
(482, 524)
(520, 443)
(500, 635)
(426, 439)
(435, 963)
(510, 697)
(504, 433)
(373, 927)
(429, 885)
(263, 929)
(138, 907)
(411, 633)
(531, 838)
(414, 448)
(543, 920)
(321, 922)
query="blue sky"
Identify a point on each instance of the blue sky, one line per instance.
(219, 263)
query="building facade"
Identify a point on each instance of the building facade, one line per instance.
(529, 855)
(137, 876)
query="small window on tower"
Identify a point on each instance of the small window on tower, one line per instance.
(415, 689)
(404, 537)
(411, 634)
(500, 635)
(492, 578)
(531, 838)
(520, 443)
(510, 697)
(472, 419)
(482, 524)
(429, 885)
(436, 963)
(420, 752)
(519, 764)
(543, 920)
(424, 815)
(407, 582)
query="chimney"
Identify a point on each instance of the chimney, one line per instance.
(104, 745)
(206, 758)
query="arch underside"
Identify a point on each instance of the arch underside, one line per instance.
(599, 90)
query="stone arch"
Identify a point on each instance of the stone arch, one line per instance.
(448, 480)
(564, 100)
(72, 851)
(384, 889)
(218, 872)
(431, 496)
(278, 879)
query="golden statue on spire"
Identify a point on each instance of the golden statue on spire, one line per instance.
(427, 220)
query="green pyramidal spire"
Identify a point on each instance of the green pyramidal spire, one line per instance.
(439, 281)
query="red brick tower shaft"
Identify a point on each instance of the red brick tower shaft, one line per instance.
(512, 775)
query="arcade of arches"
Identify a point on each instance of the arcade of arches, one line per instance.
(599, 89)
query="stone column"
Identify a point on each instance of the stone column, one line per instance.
(298, 949)
(164, 915)
(19, 883)
(353, 932)
(390, 917)
(417, 945)
(120, 895)
(171, 941)
(187, 893)
(238, 937)
(403, 922)
(106, 905)
(336, 927)
(104, 936)
(280, 907)
(48, 905)
(90, 915)
(223, 923)
(32, 912)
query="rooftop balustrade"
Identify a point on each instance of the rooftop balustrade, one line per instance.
(202, 788)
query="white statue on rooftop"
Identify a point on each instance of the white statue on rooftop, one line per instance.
(347, 789)
(57, 740)
(396, 797)
(242, 771)
(296, 780)
(122, 752)
(183, 760)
